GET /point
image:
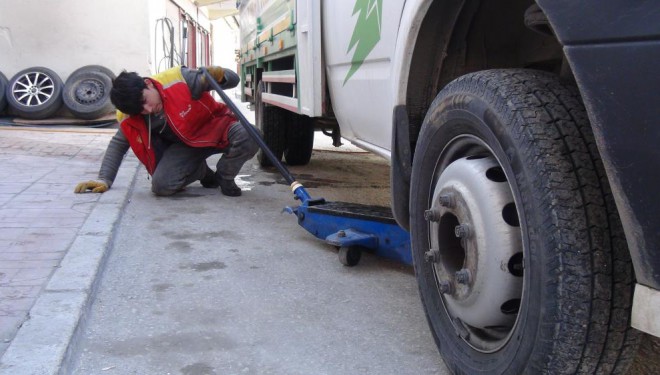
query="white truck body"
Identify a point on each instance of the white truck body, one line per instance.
(385, 75)
(366, 99)
(363, 103)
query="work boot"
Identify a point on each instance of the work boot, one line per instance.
(229, 188)
(210, 180)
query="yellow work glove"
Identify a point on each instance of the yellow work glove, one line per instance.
(217, 73)
(94, 186)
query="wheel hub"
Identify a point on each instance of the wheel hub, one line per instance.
(478, 265)
(33, 89)
(89, 91)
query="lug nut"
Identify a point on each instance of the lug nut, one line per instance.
(432, 215)
(446, 200)
(432, 256)
(463, 276)
(462, 231)
(446, 287)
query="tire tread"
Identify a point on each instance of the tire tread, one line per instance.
(273, 127)
(588, 276)
(300, 140)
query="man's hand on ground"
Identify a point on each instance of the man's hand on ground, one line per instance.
(94, 186)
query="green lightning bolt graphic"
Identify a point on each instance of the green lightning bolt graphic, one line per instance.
(366, 33)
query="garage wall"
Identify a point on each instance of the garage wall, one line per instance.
(64, 35)
(166, 14)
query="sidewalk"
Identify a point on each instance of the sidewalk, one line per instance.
(52, 241)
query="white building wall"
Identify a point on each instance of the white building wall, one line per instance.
(64, 35)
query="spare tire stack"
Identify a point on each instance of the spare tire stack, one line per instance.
(38, 93)
(87, 92)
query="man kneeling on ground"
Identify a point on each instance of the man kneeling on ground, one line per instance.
(173, 125)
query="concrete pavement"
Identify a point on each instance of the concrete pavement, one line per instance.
(206, 294)
(201, 284)
(52, 242)
(225, 286)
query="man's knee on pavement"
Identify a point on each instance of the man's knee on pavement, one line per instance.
(159, 191)
(163, 188)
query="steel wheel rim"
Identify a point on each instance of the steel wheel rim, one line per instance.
(89, 91)
(33, 89)
(484, 295)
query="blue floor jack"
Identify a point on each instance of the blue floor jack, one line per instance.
(350, 227)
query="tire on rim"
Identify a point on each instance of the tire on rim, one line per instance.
(300, 140)
(87, 94)
(272, 122)
(95, 68)
(3, 87)
(34, 93)
(518, 250)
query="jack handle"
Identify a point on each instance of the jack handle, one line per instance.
(296, 187)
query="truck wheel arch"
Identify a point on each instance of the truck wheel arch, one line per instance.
(438, 52)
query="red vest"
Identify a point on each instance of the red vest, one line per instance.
(198, 123)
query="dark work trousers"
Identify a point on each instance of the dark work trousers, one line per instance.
(181, 165)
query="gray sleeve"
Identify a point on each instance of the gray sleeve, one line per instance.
(194, 80)
(113, 157)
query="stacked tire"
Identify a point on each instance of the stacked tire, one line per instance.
(34, 93)
(3, 86)
(37, 93)
(87, 92)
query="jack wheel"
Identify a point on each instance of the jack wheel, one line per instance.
(349, 255)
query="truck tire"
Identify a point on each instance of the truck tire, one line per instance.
(300, 140)
(3, 87)
(518, 251)
(87, 94)
(34, 93)
(272, 122)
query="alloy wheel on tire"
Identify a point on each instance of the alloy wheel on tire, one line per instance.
(34, 93)
(33, 89)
